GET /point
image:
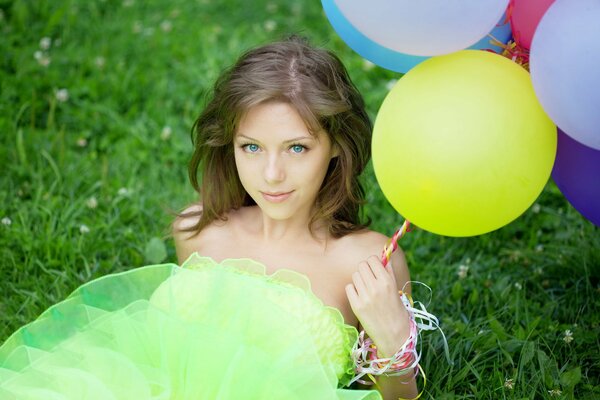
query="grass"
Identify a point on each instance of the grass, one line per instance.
(89, 185)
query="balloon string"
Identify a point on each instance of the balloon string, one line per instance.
(392, 243)
(512, 50)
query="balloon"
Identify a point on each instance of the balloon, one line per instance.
(524, 18)
(501, 33)
(364, 46)
(423, 27)
(564, 64)
(577, 174)
(461, 146)
(388, 58)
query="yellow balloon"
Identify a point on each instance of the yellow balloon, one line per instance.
(461, 145)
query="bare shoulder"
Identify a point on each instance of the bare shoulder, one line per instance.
(185, 240)
(209, 241)
(188, 218)
(364, 244)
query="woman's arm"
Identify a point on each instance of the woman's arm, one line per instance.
(375, 301)
(398, 387)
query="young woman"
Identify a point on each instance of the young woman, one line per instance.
(279, 149)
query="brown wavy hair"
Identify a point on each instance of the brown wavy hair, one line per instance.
(315, 82)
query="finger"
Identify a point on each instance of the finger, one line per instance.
(352, 295)
(359, 284)
(390, 271)
(379, 271)
(367, 275)
(389, 268)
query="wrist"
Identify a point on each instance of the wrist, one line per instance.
(370, 360)
(397, 336)
(386, 349)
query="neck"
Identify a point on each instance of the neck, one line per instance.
(290, 232)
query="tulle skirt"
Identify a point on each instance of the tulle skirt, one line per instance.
(201, 331)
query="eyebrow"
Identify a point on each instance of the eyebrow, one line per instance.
(287, 141)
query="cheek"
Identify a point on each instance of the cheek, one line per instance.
(317, 173)
(242, 168)
(241, 161)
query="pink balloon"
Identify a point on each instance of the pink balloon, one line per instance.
(524, 18)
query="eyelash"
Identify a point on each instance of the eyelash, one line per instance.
(244, 146)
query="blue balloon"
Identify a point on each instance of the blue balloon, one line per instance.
(391, 59)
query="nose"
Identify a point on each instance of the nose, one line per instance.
(274, 171)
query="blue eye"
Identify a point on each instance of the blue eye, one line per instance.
(250, 148)
(297, 148)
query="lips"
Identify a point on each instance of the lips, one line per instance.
(276, 197)
(275, 193)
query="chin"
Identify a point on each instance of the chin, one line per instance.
(280, 215)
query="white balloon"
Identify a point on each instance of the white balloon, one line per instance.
(565, 67)
(423, 27)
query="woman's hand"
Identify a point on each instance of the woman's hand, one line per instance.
(374, 298)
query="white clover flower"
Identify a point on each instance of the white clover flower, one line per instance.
(518, 286)
(509, 384)
(367, 65)
(123, 191)
(538, 271)
(100, 62)
(128, 3)
(82, 142)
(272, 7)
(536, 208)
(62, 95)
(166, 132)
(390, 84)
(45, 43)
(45, 61)
(6, 221)
(555, 392)
(84, 229)
(42, 58)
(539, 248)
(92, 202)
(462, 271)
(270, 25)
(166, 26)
(137, 27)
(568, 338)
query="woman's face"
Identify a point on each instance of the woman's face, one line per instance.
(280, 164)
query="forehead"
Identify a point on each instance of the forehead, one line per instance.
(274, 119)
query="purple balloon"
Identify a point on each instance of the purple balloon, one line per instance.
(577, 175)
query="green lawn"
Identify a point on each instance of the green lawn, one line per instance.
(94, 133)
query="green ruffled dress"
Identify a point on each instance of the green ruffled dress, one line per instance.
(204, 330)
